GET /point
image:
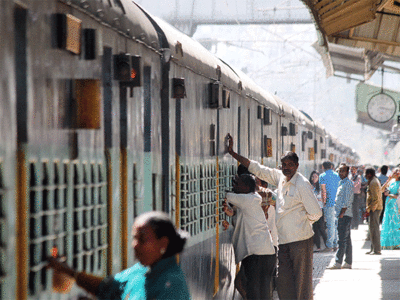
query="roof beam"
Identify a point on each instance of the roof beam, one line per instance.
(369, 40)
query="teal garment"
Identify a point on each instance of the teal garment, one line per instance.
(163, 282)
(390, 234)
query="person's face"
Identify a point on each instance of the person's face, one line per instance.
(289, 167)
(368, 176)
(343, 173)
(315, 178)
(239, 187)
(353, 170)
(146, 245)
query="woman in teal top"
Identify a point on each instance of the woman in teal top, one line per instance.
(390, 234)
(156, 276)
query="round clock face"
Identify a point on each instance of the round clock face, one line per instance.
(381, 108)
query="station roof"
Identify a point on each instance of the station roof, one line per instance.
(372, 25)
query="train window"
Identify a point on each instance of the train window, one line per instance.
(315, 146)
(267, 116)
(292, 129)
(284, 130)
(215, 96)
(260, 112)
(48, 209)
(89, 216)
(87, 103)
(321, 140)
(323, 153)
(67, 32)
(303, 140)
(311, 154)
(198, 198)
(89, 38)
(267, 146)
(226, 99)
(310, 135)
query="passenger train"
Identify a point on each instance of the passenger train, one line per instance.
(106, 112)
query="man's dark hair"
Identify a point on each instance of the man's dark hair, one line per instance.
(384, 169)
(250, 181)
(242, 170)
(370, 171)
(327, 165)
(347, 168)
(291, 156)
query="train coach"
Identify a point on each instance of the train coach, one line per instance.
(107, 112)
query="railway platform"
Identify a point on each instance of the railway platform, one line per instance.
(372, 277)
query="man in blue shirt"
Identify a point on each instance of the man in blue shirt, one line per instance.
(329, 182)
(344, 202)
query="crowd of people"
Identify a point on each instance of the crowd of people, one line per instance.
(275, 232)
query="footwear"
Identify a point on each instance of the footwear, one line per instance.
(336, 266)
(369, 252)
(334, 249)
(346, 266)
(327, 249)
(317, 250)
(376, 253)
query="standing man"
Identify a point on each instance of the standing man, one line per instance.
(296, 209)
(344, 201)
(356, 179)
(382, 179)
(329, 182)
(374, 208)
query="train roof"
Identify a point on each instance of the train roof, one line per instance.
(124, 16)
(319, 128)
(191, 54)
(252, 90)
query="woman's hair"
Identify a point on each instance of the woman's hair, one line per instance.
(316, 185)
(162, 226)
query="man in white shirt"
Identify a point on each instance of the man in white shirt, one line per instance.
(296, 209)
(251, 239)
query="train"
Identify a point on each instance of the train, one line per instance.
(106, 112)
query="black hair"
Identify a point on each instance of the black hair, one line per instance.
(327, 165)
(384, 169)
(316, 185)
(291, 156)
(162, 226)
(250, 181)
(242, 170)
(370, 171)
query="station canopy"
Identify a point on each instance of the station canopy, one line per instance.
(370, 25)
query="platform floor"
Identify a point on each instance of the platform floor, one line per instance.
(372, 277)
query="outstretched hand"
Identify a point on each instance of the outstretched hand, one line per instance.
(225, 224)
(59, 264)
(229, 140)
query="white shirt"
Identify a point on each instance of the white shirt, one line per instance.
(296, 206)
(251, 235)
(271, 216)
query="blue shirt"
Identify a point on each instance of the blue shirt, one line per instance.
(164, 281)
(344, 197)
(331, 180)
(382, 179)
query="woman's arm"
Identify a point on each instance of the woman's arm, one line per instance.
(88, 282)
